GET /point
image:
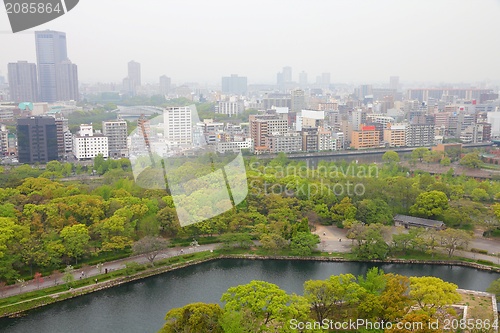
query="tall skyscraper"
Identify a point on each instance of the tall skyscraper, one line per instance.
(133, 80)
(234, 84)
(57, 77)
(134, 73)
(50, 52)
(287, 74)
(394, 82)
(23, 83)
(67, 84)
(37, 139)
(364, 90)
(165, 83)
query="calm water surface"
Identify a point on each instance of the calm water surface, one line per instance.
(141, 306)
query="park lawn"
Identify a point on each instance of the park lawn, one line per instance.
(479, 307)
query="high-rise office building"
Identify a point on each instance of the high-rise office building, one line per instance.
(57, 76)
(50, 52)
(116, 131)
(165, 83)
(134, 73)
(178, 125)
(285, 76)
(37, 139)
(23, 83)
(234, 84)
(67, 85)
(364, 90)
(133, 80)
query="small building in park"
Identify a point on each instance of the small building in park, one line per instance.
(417, 222)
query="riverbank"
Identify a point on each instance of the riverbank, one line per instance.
(107, 280)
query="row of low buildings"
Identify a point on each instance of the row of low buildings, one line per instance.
(47, 138)
(283, 131)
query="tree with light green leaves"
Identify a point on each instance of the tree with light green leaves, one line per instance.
(273, 242)
(432, 294)
(194, 317)
(471, 161)
(304, 243)
(346, 292)
(267, 306)
(494, 288)
(419, 153)
(390, 156)
(374, 211)
(479, 194)
(454, 238)
(75, 240)
(375, 281)
(68, 276)
(430, 204)
(445, 161)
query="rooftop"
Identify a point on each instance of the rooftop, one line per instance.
(418, 220)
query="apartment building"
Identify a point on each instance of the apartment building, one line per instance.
(178, 125)
(234, 146)
(87, 144)
(230, 107)
(8, 142)
(264, 125)
(395, 135)
(364, 138)
(420, 135)
(310, 139)
(326, 141)
(287, 143)
(472, 134)
(116, 132)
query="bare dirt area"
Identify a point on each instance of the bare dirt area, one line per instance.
(332, 238)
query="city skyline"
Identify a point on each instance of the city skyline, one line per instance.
(355, 42)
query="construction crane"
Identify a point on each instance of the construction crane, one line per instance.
(142, 123)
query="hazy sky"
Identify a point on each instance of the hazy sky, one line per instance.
(202, 40)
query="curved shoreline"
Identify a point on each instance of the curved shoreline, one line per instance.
(62, 296)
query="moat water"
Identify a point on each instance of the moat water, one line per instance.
(141, 306)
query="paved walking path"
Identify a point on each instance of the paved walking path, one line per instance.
(332, 238)
(89, 271)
